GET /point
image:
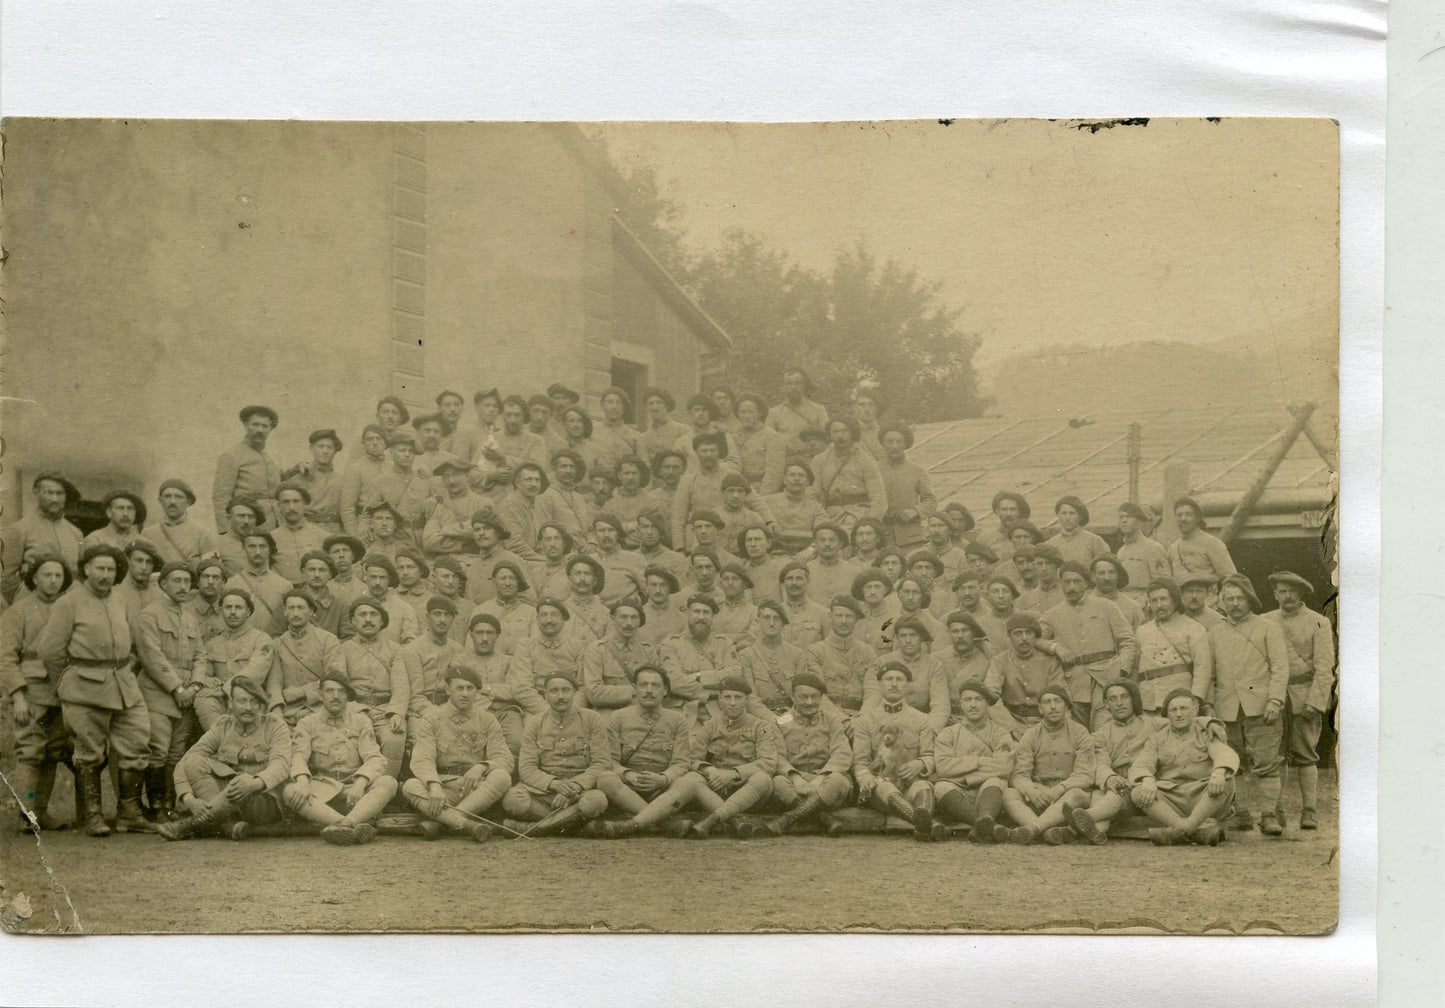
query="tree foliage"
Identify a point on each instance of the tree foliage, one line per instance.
(861, 323)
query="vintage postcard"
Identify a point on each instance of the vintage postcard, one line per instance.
(906, 526)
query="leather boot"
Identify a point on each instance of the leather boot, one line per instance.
(129, 818)
(44, 787)
(800, 811)
(923, 817)
(557, 821)
(704, 826)
(184, 827)
(81, 812)
(22, 780)
(898, 805)
(88, 779)
(155, 791)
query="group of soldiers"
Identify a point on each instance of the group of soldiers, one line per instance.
(539, 623)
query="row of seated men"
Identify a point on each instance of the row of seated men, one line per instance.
(399, 682)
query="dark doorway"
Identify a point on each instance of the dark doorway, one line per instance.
(631, 377)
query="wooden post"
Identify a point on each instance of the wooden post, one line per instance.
(1176, 485)
(1133, 456)
(1251, 496)
(1309, 432)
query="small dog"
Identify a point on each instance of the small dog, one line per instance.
(888, 755)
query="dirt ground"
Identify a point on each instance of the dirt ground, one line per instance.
(70, 882)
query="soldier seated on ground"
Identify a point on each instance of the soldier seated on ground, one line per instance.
(460, 761)
(338, 773)
(231, 778)
(1184, 776)
(649, 748)
(564, 751)
(1053, 774)
(893, 754)
(972, 761)
(1116, 744)
(812, 777)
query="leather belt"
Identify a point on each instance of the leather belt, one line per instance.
(1089, 659)
(455, 768)
(835, 500)
(91, 663)
(1160, 673)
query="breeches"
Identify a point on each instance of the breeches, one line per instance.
(1257, 743)
(45, 739)
(169, 738)
(832, 788)
(524, 804)
(97, 730)
(1301, 736)
(879, 798)
(261, 808)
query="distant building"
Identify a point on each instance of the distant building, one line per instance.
(161, 275)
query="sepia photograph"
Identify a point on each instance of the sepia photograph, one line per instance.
(617, 527)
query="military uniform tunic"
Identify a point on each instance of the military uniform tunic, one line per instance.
(1100, 640)
(449, 743)
(225, 750)
(425, 661)
(336, 748)
(607, 667)
(185, 541)
(536, 658)
(747, 744)
(242, 471)
(172, 655)
(1173, 655)
(696, 669)
(377, 674)
(915, 740)
(1049, 756)
(844, 666)
(815, 745)
(770, 670)
(518, 619)
(294, 683)
(571, 747)
(807, 623)
(649, 743)
(1017, 681)
(1182, 762)
(959, 749)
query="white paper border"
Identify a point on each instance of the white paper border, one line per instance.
(762, 61)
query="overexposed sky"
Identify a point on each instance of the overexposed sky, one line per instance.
(1042, 232)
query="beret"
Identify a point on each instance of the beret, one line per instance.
(336, 675)
(1004, 580)
(172, 483)
(1024, 621)
(555, 603)
(1048, 553)
(371, 603)
(895, 666)
(265, 411)
(915, 624)
(734, 684)
(1292, 579)
(706, 600)
(961, 617)
(923, 556)
(455, 671)
(740, 571)
(666, 575)
(1114, 562)
(246, 684)
(310, 555)
(175, 565)
(440, 603)
(355, 545)
(325, 434)
(974, 686)
(1134, 510)
(297, 487)
(979, 549)
(1077, 505)
(1179, 692)
(847, 602)
(483, 617)
(711, 517)
(809, 679)
(776, 607)
(1062, 692)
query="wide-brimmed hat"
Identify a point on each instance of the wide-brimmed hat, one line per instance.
(1078, 505)
(136, 502)
(914, 623)
(1017, 498)
(654, 570)
(1115, 563)
(599, 576)
(265, 411)
(378, 560)
(355, 545)
(367, 600)
(865, 576)
(1292, 579)
(1243, 583)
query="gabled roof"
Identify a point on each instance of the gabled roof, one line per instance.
(1047, 457)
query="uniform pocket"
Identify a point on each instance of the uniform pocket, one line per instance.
(90, 673)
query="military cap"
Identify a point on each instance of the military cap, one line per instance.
(868, 522)
(740, 571)
(1078, 505)
(448, 392)
(1034, 532)
(492, 393)
(1243, 583)
(207, 562)
(974, 686)
(742, 537)
(1193, 505)
(963, 513)
(914, 623)
(961, 617)
(298, 593)
(136, 502)
(143, 546)
(336, 675)
(1173, 589)
(557, 673)
(569, 545)
(944, 517)
(702, 399)
(241, 594)
(980, 550)
(249, 505)
(484, 617)
(924, 556)
(794, 565)
(835, 528)
(653, 570)
(577, 460)
(734, 684)
(531, 467)
(383, 506)
(450, 463)
(894, 666)
(400, 406)
(297, 487)
(1203, 580)
(1074, 567)
(847, 602)
(706, 600)
(809, 679)
(627, 602)
(325, 434)
(403, 437)
(1017, 498)
(1179, 692)
(178, 484)
(737, 480)
(355, 545)
(1005, 580)
(1135, 701)
(555, 603)
(899, 427)
(368, 601)
(488, 518)
(173, 566)
(1292, 579)
(711, 517)
(756, 400)
(1134, 510)
(1062, 692)
(246, 684)
(813, 433)
(416, 556)
(599, 576)
(265, 537)
(265, 411)
(609, 519)
(463, 672)
(644, 471)
(440, 603)
(418, 422)
(1023, 551)
(653, 392)
(522, 584)
(1122, 576)
(449, 563)
(559, 391)
(867, 575)
(375, 428)
(718, 438)
(378, 560)
(807, 470)
(776, 607)
(1051, 554)
(964, 576)
(72, 495)
(1024, 621)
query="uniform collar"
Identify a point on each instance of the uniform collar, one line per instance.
(896, 708)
